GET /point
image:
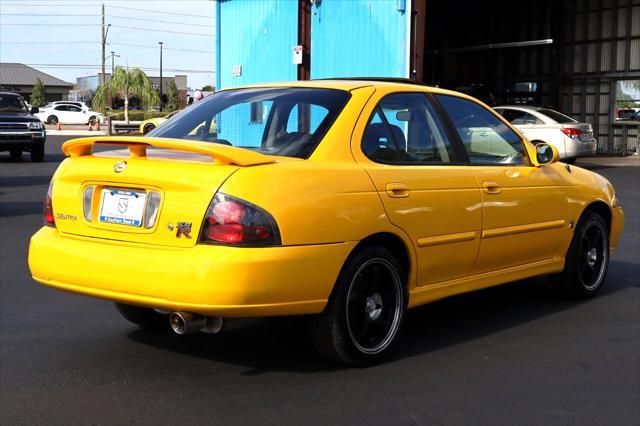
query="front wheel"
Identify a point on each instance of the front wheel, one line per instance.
(587, 259)
(52, 119)
(364, 312)
(148, 127)
(143, 317)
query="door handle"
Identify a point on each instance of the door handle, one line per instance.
(397, 190)
(491, 187)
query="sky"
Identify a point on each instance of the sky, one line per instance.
(62, 37)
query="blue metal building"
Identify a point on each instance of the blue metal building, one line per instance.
(255, 39)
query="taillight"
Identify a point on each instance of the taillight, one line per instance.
(571, 132)
(231, 221)
(48, 217)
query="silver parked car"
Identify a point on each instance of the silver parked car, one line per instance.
(572, 138)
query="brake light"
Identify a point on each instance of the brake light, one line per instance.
(48, 217)
(231, 221)
(571, 132)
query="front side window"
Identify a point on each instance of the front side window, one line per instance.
(485, 137)
(405, 129)
(274, 121)
(12, 103)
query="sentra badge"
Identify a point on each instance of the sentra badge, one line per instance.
(183, 228)
(120, 166)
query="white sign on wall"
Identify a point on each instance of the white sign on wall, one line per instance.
(236, 71)
(297, 55)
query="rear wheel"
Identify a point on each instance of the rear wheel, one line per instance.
(52, 119)
(364, 312)
(587, 259)
(148, 127)
(144, 317)
(92, 120)
(37, 153)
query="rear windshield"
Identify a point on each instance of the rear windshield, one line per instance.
(274, 121)
(556, 116)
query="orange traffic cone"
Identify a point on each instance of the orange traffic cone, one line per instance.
(58, 126)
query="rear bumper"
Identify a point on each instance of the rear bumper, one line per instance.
(209, 280)
(576, 148)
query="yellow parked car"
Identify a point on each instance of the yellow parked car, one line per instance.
(150, 124)
(350, 201)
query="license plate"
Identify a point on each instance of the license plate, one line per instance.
(122, 207)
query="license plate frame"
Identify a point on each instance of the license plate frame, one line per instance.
(121, 206)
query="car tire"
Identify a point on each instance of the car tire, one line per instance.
(570, 160)
(587, 259)
(147, 128)
(52, 119)
(92, 120)
(365, 310)
(37, 153)
(145, 318)
(15, 154)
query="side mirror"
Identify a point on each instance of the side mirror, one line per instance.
(34, 110)
(546, 154)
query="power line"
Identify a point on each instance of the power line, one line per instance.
(32, 24)
(91, 66)
(49, 42)
(108, 16)
(162, 31)
(146, 46)
(158, 11)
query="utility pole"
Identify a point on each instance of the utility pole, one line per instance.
(160, 43)
(104, 42)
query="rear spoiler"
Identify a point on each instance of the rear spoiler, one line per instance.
(221, 154)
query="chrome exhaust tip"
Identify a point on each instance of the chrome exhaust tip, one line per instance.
(185, 322)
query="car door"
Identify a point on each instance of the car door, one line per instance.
(425, 189)
(76, 115)
(524, 207)
(62, 113)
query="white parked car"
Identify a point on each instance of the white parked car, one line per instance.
(76, 103)
(572, 138)
(65, 113)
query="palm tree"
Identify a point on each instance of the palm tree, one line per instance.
(126, 83)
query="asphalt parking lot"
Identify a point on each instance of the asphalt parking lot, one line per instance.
(513, 355)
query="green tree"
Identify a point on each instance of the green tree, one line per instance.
(38, 96)
(207, 88)
(172, 96)
(126, 83)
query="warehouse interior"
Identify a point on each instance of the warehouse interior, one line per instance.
(570, 55)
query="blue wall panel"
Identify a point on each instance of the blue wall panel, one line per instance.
(363, 38)
(258, 35)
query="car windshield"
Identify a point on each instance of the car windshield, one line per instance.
(12, 103)
(275, 121)
(556, 116)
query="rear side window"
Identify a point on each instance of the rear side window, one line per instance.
(485, 137)
(405, 129)
(556, 116)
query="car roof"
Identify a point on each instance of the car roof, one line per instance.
(521, 107)
(353, 83)
(10, 93)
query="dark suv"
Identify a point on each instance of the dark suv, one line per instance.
(20, 130)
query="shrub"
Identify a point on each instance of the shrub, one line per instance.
(138, 115)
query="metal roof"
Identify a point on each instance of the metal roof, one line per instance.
(13, 74)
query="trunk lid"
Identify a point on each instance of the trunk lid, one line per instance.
(156, 192)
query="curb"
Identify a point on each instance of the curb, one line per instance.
(75, 133)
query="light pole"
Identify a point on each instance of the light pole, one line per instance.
(160, 43)
(105, 32)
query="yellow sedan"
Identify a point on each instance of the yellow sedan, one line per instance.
(348, 201)
(150, 124)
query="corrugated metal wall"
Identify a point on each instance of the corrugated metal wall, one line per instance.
(601, 45)
(365, 38)
(257, 35)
